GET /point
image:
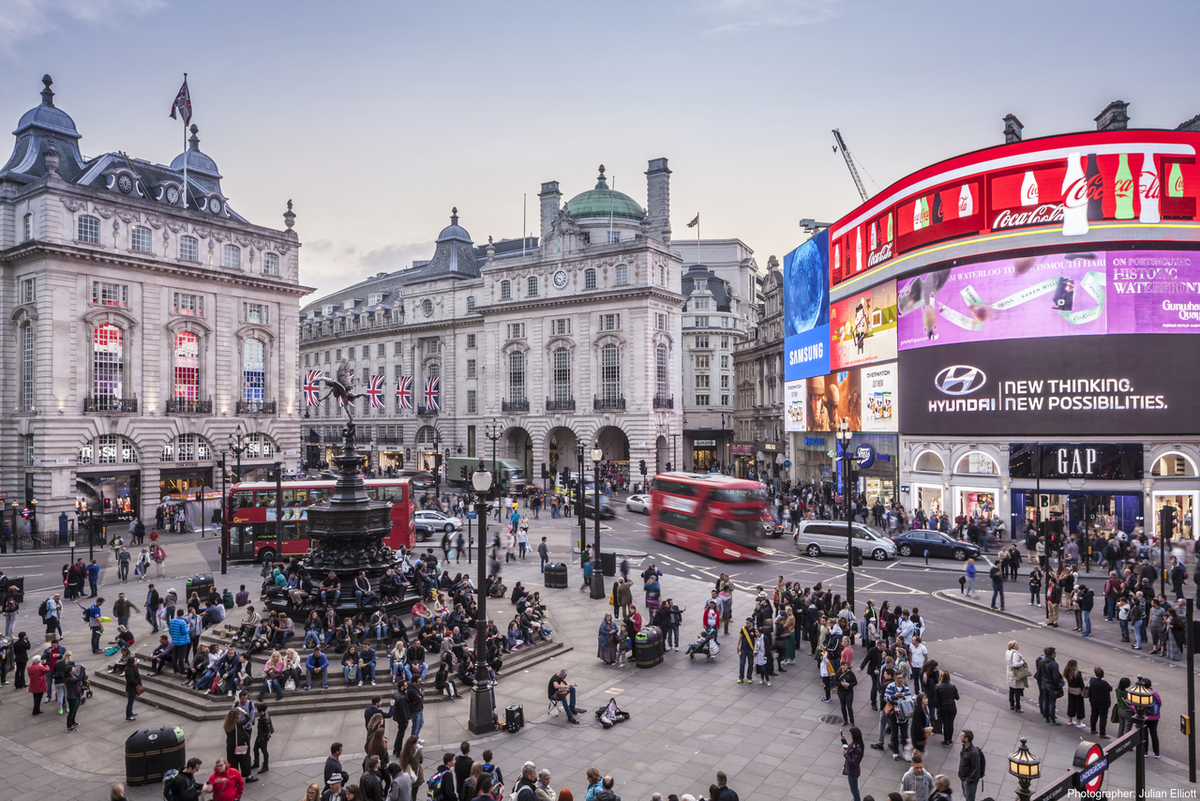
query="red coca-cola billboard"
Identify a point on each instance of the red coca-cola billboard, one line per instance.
(1077, 183)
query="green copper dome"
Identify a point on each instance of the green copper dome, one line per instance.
(604, 202)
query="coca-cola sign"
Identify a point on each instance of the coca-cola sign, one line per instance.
(1072, 183)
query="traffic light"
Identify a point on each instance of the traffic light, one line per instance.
(566, 477)
(642, 466)
(545, 473)
(1167, 521)
(668, 467)
(462, 471)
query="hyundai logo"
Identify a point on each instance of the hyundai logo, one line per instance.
(959, 380)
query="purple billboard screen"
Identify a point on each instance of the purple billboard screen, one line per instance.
(1056, 295)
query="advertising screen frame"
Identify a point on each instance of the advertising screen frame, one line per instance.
(806, 309)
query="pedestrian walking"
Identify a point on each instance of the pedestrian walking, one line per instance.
(37, 682)
(970, 572)
(997, 585)
(1050, 684)
(1153, 714)
(970, 765)
(544, 553)
(846, 682)
(852, 754)
(1075, 689)
(945, 702)
(1123, 713)
(1100, 696)
(133, 686)
(1016, 676)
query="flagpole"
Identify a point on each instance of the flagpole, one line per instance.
(185, 149)
(697, 239)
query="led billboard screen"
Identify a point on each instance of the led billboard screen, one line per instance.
(862, 327)
(806, 309)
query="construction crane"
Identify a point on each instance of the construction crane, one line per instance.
(862, 190)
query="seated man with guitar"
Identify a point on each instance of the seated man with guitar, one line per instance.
(562, 692)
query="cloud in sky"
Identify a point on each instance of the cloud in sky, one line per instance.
(739, 14)
(23, 20)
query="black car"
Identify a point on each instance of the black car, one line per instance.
(422, 532)
(919, 540)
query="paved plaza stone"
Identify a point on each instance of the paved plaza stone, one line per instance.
(689, 718)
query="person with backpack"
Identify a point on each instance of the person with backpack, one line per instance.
(442, 783)
(182, 786)
(971, 765)
(50, 611)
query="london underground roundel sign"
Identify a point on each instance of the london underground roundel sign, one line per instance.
(1091, 772)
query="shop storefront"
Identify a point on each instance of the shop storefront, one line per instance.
(770, 456)
(880, 480)
(178, 481)
(812, 457)
(741, 454)
(704, 455)
(107, 494)
(1088, 486)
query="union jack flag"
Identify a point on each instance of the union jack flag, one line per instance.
(353, 379)
(432, 387)
(404, 390)
(375, 391)
(312, 388)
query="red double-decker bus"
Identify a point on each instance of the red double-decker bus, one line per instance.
(718, 516)
(250, 512)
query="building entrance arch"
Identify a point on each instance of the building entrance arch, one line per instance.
(560, 450)
(518, 445)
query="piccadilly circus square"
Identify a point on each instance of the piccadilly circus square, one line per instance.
(372, 435)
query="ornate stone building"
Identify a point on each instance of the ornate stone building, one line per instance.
(759, 441)
(143, 329)
(570, 337)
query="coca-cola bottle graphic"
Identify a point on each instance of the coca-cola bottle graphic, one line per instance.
(1075, 210)
(837, 255)
(1095, 189)
(1123, 189)
(966, 203)
(889, 227)
(874, 235)
(1175, 183)
(1029, 189)
(1148, 190)
(917, 219)
(936, 215)
(926, 220)
(858, 265)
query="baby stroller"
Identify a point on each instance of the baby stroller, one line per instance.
(609, 715)
(706, 644)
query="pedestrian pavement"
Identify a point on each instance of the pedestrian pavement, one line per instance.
(688, 718)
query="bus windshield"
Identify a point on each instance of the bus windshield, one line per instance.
(739, 495)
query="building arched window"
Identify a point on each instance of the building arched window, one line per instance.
(470, 303)
(27, 228)
(516, 376)
(562, 375)
(610, 373)
(254, 354)
(108, 366)
(260, 446)
(589, 279)
(108, 449)
(270, 264)
(505, 290)
(186, 368)
(660, 371)
(87, 229)
(139, 239)
(189, 448)
(622, 275)
(532, 286)
(231, 257)
(28, 367)
(189, 248)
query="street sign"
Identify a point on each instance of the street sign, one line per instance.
(3, 496)
(865, 456)
(26, 512)
(787, 462)
(471, 516)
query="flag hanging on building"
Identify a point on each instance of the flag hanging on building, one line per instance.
(375, 391)
(312, 388)
(183, 103)
(404, 390)
(432, 389)
(695, 221)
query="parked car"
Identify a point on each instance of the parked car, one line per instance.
(817, 537)
(638, 503)
(437, 520)
(919, 540)
(422, 532)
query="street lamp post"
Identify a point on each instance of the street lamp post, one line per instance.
(278, 467)
(1140, 697)
(224, 521)
(597, 575)
(437, 468)
(1026, 767)
(493, 432)
(579, 509)
(238, 446)
(843, 438)
(481, 716)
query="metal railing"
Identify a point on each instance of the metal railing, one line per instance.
(185, 406)
(425, 411)
(664, 402)
(514, 405)
(256, 407)
(608, 404)
(110, 404)
(567, 405)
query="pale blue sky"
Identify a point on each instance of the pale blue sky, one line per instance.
(376, 118)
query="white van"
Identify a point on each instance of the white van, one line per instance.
(817, 537)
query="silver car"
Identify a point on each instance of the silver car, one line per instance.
(437, 520)
(638, 503)
(817, 537)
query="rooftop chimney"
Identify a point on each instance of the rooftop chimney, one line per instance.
(1012, 129)
(658, 200)
(549, 198)
(1113, 118)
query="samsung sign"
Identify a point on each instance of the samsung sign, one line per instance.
(1055, 386)
(806, 309)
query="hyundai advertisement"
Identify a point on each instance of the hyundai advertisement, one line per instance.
(1049, 386)
(806, 309)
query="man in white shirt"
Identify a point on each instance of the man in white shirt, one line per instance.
(918, 653)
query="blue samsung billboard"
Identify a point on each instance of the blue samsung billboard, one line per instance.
(806, 309)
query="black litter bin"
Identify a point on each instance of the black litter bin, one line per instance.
(201, 585)
(648, 647)
(150, 753)
(608, 564)
(556, 576)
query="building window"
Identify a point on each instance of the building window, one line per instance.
(307, 360)
(702, 381)
(614, 237)
(88, 229)
(27, 228)
(702, 341)
(702, 322)
(660, 370)
(139, 239)
(338, 355)
(470, 340)
(27, 367)
(516, 330)
(470, 368)
(108, 449)
(110, 294)
(505, 290)
(702, 400)
(270, 264)
(610, 322)
(397, 347)
(700, 304)
(108, 362)
(254, 313)
(253, 370)
(28, 290)
(662, 275)
(561, 327)
(187, 366)
(231, 257)
(516, 376)
(470, 303)
(622, 275)
(702, 361)
(562, 375)
(610, 372)
(660, 322)
(189, 248)
(724, 400)
(189, 305)
(327, 357)
(589, 279)
(724, 362)
(532, 286)
(472, 402)
(724, 382)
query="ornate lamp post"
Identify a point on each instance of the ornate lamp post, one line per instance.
(843, 437)
(480, 721)
(1026, 767)
(1140, 697)
(237, 446)
(597, 574)
(579, 508)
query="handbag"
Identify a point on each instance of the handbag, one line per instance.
(139, 689)
(290, 684)
(352, 672)
(1085, 690)
(1022, 672)
(241, 749)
